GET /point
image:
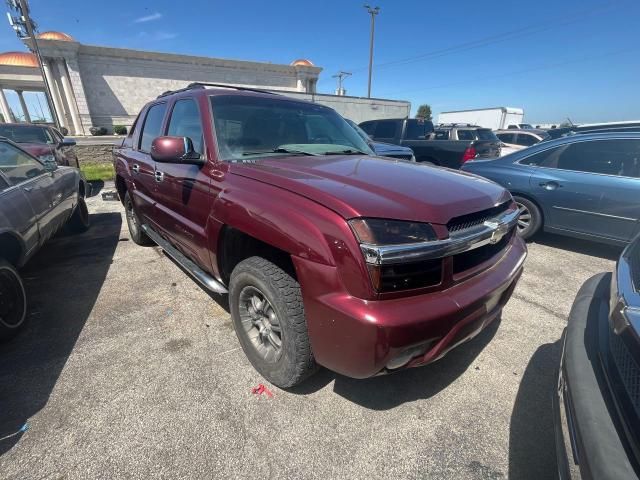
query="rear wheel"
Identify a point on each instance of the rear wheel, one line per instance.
(79, 221)
(13, 301)
(530, 219)
(268, 317)
(133, 222)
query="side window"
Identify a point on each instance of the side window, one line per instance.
(185, 122)
(609, 157)
(17, 166)
(526, 140)
(465, 135)
(442, 135)
(368, 127)
(512, 127)
(506, 137)
(418, 129)
(3, 184)
(152, 127)
(385, 129)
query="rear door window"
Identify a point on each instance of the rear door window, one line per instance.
(386, 129)
(608, 157)
(442, 135)
(17, 166)
(465, 135)
(526, 140)
(486, 134)
(507, 137)
(418, 129)
(152, 127)
(185, 122)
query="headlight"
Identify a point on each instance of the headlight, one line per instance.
(374, 233)
(47, 158)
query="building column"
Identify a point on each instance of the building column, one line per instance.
(71, 99)
(23, 105)
(4, 107)
(55, 94)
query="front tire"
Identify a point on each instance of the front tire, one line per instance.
(530, 220)
(268, 317)
(80, 220)
(13, 301)
(133, 222)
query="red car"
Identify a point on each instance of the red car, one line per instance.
(42, 141)
(330, 256)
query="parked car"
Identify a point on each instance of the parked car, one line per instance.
(630, 126)
(36, 200)
(330, 255)
(384, 149)
(584, 185)
(519, 126)
(597, 400)
(523, 138)
(447, 146)
(495, 118)
(42, 141)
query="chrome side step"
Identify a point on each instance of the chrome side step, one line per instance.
(196, 272)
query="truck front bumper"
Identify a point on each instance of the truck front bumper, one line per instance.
(361, 338)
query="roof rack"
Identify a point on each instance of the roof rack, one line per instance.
(202, 85)
(456, 125)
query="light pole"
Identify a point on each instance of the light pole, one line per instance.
(24, 27)
(341, 76)
(373, 12)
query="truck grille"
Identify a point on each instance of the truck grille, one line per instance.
(473, 258)
(628, 369)
(464, 222)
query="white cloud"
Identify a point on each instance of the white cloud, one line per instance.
(148, 18)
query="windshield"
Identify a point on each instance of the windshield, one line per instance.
(249, 127)
(25, 134)
(365, 136)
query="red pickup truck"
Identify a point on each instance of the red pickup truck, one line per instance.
(329, 255)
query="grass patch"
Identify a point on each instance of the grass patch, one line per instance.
(98, 171)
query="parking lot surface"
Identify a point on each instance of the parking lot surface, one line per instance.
(128, 369)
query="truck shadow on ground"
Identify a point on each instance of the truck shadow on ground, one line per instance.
(389, 391)
(63, 282)
(532, 453)
(578, 245)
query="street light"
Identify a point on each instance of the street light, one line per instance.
(373, 12)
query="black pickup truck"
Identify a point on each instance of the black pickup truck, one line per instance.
(446, 145)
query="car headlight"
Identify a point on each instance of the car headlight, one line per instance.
(375, 233)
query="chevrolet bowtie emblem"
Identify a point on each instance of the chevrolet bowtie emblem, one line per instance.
(499, 231)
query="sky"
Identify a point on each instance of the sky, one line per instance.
(554, 58)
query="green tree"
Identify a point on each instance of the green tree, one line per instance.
(424, 111)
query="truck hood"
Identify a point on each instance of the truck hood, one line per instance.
(363, 186)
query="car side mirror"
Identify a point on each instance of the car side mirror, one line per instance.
(50, 165)
(67, 142)
(175, 150)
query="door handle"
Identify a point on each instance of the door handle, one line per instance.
(135, 168)
(550, 185)
(159, 176)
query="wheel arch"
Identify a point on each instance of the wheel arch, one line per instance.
(533, 200)
(12, 247)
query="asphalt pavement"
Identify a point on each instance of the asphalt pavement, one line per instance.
(128, 369)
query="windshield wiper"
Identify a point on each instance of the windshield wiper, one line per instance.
(348, 151)
(281, 150)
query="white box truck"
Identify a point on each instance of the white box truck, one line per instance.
(498, 118)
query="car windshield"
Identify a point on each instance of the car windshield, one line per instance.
(486, 134)
(25, 134)
(250, 127)
(359, 130)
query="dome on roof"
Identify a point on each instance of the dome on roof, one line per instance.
(19, 59)
(302, 62)
(65, 37)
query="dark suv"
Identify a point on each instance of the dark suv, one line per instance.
(597, 403)
(330, 255)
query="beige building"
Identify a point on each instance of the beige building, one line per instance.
(104, 86)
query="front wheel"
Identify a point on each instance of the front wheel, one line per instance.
(268, 317)
(13, 301)
(530, 219)
(79, 221)
(133, 222)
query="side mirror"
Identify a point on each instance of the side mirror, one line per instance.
(67, 142)
(50, 165)
(175, 150)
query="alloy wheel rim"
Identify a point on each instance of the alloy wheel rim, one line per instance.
(131, 218)
(261, 324)
(12, 301)
(524, 219)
